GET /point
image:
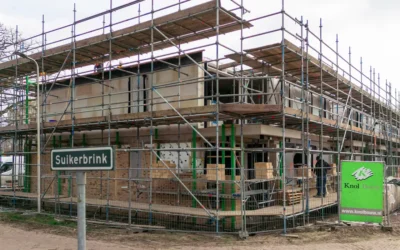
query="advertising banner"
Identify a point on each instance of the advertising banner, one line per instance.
(361, 194)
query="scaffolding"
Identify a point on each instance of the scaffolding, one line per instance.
(202, 143)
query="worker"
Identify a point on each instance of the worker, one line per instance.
(98, 67)
(320, 170)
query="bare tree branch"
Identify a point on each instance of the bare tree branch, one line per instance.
(9, 42)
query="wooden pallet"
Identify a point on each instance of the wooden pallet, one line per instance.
(291, 197)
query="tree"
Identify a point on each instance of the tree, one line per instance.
(9, 40)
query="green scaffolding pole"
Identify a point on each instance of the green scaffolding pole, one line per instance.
(27, 181)
(70, 178)
(84, 140)
(233, 173)
(158, 144)
(59, 141)
(117, 140)
(27, 101)
(59, 187)
(26, 166)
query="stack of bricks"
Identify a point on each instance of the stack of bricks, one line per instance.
(159, 170)
(304, 172)
(264, 170)
(212, 172)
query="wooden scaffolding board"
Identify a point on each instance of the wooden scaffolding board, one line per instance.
(184, 26)
(268, 59)
(20, 195)
(314, 204)
(161, 117)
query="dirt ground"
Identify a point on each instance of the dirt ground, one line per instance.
(20, 235)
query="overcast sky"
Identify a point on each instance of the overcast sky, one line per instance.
(370, 27)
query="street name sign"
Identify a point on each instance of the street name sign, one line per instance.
(82, 159)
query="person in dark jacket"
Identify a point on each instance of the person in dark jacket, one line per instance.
(320, 170)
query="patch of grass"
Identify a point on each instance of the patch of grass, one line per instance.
(35, 219)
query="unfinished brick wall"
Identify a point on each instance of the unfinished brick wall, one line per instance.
(116, 184)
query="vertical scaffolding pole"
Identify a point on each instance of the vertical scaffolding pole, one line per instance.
(371, 110)
(194, 165)
(233, 172)
(223, 161)
(109, 105)
(73, 78)
(374, 123)
(303, 137)
(151, 110)
(361, 119)
(42, 105)
(321, 115)
(16, 115)
(217, 114)
(308, 145)
(338, 146)
(283, 117)
(379, 122)
(351, 115)
(243, 233)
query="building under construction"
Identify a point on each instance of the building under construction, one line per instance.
(209, 135)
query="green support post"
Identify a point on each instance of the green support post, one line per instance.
(233, 172)
(59, 141)
(25, 173)
(27, 181)
(70, 178)
(84, 140)
(156, 136)
(117, 140)
(28, 84)
(29, 165)
(27, 101)
(59, 187)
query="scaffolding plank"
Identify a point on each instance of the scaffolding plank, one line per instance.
(160, 117)
(314, 204)
(185, 26)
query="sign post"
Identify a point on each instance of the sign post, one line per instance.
(81, 160)
(81, 182)
(361, 193)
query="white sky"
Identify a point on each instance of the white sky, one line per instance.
(368, 26)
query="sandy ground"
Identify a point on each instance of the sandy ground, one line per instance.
(21, 236)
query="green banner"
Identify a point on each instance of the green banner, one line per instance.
(361, 194)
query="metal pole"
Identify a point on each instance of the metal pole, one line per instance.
(338, 147)
(81, 183)
(302, 117)
(217, 118)
(38, 134)
(37, 125)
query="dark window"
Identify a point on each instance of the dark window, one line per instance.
(6, 167)
(298, 161)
